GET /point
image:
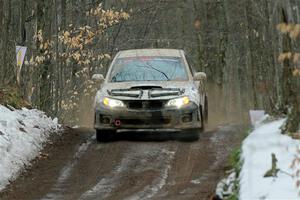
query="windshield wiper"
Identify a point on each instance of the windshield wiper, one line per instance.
(158, 70)
(151, 67)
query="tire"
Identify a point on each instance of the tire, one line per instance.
(202, 119)
(105, 135)
(206, 110)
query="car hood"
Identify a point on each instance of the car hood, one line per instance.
(186, 88)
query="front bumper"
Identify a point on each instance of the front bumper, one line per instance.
(187, 117)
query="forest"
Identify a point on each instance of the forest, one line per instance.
(248, 48)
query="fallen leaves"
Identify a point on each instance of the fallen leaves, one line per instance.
(43, 156)
(284, 56)
(296, 72)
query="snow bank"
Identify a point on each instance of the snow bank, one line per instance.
(22, 134)
(256, 154)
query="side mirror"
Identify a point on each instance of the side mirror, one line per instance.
(200, 76)
(98, 77)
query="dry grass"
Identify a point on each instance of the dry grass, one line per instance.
(11, 96)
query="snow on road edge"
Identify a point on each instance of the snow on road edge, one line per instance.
(22, 134)
(256, 155)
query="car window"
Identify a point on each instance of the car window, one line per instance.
(148, 69)
(190, 64)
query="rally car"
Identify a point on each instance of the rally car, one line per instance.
(150, 90)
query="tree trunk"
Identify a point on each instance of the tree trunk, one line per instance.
(42, 10)
(1, 41)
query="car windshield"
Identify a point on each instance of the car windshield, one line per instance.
(148, 69)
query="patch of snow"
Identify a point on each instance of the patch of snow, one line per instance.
(103, 188)
(22, 134)
(226, 186)
(256, 154)
(196, 181)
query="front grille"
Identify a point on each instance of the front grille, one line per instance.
(150, 121)
(154, 104)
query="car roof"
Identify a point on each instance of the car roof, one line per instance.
(150, 52)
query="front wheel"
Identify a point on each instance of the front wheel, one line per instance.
(104, 135)
(206, 110)
(202, 118)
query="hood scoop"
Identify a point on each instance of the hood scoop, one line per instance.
(146, 87)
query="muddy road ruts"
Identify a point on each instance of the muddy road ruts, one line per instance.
(134, 166)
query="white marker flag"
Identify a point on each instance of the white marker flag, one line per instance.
(256, 116)
(20, 52)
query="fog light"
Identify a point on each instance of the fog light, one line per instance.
(104, 119)
(187, 118)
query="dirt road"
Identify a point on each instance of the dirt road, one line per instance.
(133, 167)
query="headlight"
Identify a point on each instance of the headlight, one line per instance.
(178, 102)
(113, 103)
